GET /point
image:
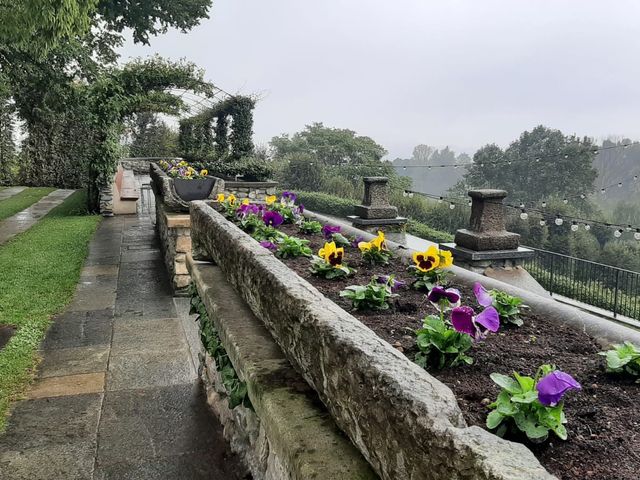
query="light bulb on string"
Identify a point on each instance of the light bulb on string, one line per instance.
(626, 145)
(469, 203)
(602, 191)
(410, 194)
(521, 205)
(404, 167)
(637, 234)
(617, 233)
(440, 200)
(582, 196)
(558, 221)
(635, 178)
(587, 227)
(537, 160)
(543, 222)
(574, 227)
(544, 204)
(455, 166)
(405, 194)
(524, 215)
(566, 156)
(565, 201)
(629, 228)
(452, 205)
(619, 184)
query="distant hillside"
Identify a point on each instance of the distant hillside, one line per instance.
(618, 165)
(435, 180)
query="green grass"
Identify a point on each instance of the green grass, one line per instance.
(39, 270)
(12, 205)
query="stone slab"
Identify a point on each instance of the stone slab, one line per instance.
(73, 361)
(95, 270)
(147, 336)
(390, 408)
(369, 212)
(150, 369)
(10, 192)
(156, 422)
(467, 254)
(358, 221)
(68, 385)
(79, 329)
(181, 220)
(484, 241)
(51, 438)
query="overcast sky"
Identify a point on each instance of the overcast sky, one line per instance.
(461, 73)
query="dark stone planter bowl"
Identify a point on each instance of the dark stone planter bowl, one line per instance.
(197, 189)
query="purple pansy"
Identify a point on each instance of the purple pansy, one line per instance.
(356, 241)
(329, 230)
(244, 210)
(482, 296)
(272, 218)
(289, 197)
(552, 387)
(300, 210)
(444, 298)
(269, 245)
(465, 320)
(394, 284)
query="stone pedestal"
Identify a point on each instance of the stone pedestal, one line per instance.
(376, 213)
(174, 230)
(486, 243)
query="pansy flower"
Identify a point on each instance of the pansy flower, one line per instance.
(272, 219)
(390, 280)
(246, 201)
(444, 298)
(270, 200)
(204, 172)
(331, 254)
(446, 259)
(220, 198)
(552, 387)
(427, 260)
(288, 198)
(269, 245)
(356, 241)
(329, 230)
(378, 243)
(482, 296)
(464, 320)
(231, 199)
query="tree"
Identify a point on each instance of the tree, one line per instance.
(540, 164)
(7, 142)
(329, 146)
(151, 137)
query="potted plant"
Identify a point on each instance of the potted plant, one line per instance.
(189, 183)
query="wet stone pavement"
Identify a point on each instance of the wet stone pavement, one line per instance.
(117, 394)
(25, 219)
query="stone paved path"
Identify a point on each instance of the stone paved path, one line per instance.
(10, 192)
(117, 395)
(24, 220)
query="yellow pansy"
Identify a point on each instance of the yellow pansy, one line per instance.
(427, 260)
(379, 241)
(270, 199)
(331, 254)
(204, 172)
(246, 201)
(446, 259)
(231, 199)
(220, 198)
(365, 246)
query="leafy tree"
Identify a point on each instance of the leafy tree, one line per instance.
(7, 142)
(540, 164)
(329, 146)
(151, 137)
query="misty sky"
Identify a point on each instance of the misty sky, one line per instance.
(459, 73)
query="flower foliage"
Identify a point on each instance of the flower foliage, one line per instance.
(289, 246)
(181, 169)
(441, 345)
(623, 358)
(508, 307)
(309, 226)
(375, 252)
(533, 406)
(373, 296)
(430, 267)
(329, 263)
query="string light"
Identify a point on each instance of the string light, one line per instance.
(587, 227)
(452, 205)
(524, 215)
(617, 233)
(637, 234)
(543, 222)
(558, 221)
(574, 226)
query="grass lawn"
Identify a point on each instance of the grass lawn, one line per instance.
(39, 270)
(12, 205)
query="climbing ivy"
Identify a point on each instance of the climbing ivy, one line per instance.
(206, 137)
(236, 389)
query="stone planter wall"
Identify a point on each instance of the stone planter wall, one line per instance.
(405, 423)
(255, 191)
(175, 241)
(287, 434)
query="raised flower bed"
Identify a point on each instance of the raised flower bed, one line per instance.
(402, 419)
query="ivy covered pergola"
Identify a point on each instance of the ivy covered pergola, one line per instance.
(222, 132)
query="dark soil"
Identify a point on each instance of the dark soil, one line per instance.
(6, 332)
(603, 417)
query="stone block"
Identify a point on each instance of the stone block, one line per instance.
(369, 212)
(183, 244)
(180, 268)
(480, 241)
(181, 281)
(175, 220)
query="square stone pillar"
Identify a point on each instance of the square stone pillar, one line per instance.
(486, 243)
(376, 213)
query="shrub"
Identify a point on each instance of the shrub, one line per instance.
(252, 169)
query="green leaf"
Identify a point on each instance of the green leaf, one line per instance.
(508, 383)
(494, 419)
(527, 397)
(526, 383)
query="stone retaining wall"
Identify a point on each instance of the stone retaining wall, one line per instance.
(406, 423)
(256, 191)
(287, 434)
(175, 241)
